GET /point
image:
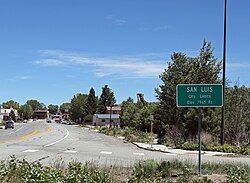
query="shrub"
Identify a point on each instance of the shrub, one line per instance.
(237, 174)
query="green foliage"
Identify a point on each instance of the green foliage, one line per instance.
(53, 109)
(130, 134)
(136, 115)
(10, 104)
(25, 111)
(244, 149)
(237, 174)
(12, 115)
(77, 107)
(237, 115)
(64, 107)
(35, 105)
(92, 103)
(107, 98)
(183, 69)
(147, 171)
(22, 171)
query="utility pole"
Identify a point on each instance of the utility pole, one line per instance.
(224, 75)
(110, 117)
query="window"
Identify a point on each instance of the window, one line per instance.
(103, 120)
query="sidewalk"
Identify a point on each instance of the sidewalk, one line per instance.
(162, 148)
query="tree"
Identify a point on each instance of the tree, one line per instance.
(35, 105)
(12, 115)
(77, 110)
(64, 107)
(92, 102)
(10, 104)
(237, 115)
(107, 98)
(136, 115)
(25, 111)
(128, 112)
(91, 105)
(186, 70)
(53, 109)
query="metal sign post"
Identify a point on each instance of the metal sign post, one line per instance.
(199, 139)
(199, 95)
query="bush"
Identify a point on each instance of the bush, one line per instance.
(130, 134)
(237, 174)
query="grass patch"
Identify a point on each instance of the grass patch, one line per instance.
(22, 171)
(130, 134)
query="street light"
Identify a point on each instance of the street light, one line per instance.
(224, 75)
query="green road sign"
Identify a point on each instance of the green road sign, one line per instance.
(199, 95)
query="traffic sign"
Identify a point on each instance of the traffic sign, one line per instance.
(199, 95)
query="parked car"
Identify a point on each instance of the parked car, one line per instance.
(9, 124)
(25, 121)
(48, 120)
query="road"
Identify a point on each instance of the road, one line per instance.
(51, 143)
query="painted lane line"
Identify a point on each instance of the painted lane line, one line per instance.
(138, 154)
(70, 151)
(53, 143)
(105, 152)
(31, 150)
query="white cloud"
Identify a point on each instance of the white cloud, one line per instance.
(148, 65)
(50, 62)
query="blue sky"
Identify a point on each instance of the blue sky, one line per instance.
(51, 50)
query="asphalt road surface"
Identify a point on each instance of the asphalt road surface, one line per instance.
(51, 143)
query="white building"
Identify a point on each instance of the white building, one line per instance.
(5, 113)
(104, 119)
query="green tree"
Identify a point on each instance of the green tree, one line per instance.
(35, 105)
(107, 98)
(128, 112)
(237, 115)
(10, 104)
(25, 111)
(92, 102)
(186, 70)
(65, 107)
(91, 105)
(137, 115)
(77, 110)
(53, 109)
(12, 115)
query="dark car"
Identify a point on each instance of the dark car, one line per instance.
(9, 124)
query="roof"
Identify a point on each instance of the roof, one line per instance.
(105, 116)
(114, 108)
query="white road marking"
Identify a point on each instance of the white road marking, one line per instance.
(138, 154)
(31, 150)
(53, 143)
(105, 152)
(70, 151)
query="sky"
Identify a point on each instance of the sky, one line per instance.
(50, 50)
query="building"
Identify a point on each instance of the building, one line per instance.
(5, 113)
(113, 110)
(104, 119)
(40, 114)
